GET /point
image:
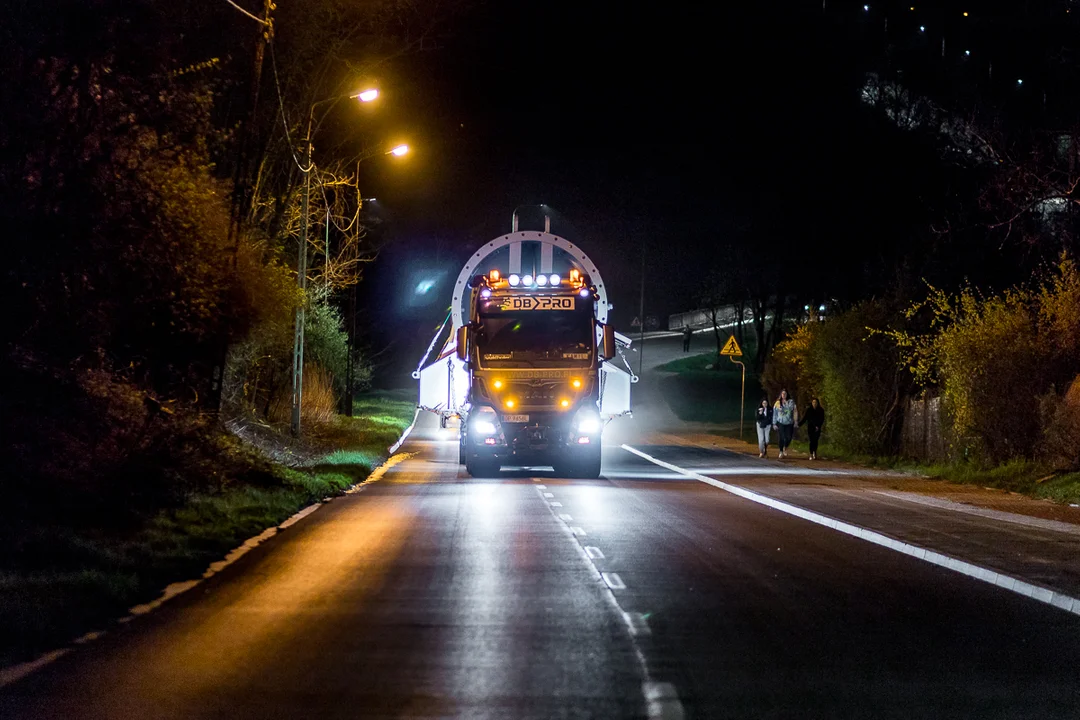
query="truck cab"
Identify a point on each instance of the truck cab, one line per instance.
(533, 348)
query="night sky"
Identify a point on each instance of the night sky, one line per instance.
(640, 127)
(690, 130)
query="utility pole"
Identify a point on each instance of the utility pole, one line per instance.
(301, 281)
(641, 312)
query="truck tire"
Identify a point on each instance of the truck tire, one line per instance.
(461, 447)
(589, 466)
(482, 468)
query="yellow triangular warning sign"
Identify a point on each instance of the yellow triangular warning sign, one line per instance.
(731, 348)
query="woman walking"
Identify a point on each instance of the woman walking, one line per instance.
(814, 421)
(784, 418)
(764, 424)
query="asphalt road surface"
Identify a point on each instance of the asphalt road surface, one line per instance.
(645, 593)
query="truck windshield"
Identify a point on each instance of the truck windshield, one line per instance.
(511, 338)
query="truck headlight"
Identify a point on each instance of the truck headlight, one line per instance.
(587, 421)
(483, 427)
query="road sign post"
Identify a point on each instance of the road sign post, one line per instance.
(732, 350)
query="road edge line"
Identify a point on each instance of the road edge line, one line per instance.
(1047, 596)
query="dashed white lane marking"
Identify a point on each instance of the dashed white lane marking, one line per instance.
(549, 495)
(1016, 585)
(578, 531)
(637, 623)
(565, 518)
(555, 504)
(542, 487)
(663, 701)
(613, 581)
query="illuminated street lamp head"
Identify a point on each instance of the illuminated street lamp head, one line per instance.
(367, 95)
(400, 150)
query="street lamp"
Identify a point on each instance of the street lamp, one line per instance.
(301, 260)
(399, 150)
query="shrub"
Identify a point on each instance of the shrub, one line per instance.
(993, 358)
(1061, 420)
(851, 370)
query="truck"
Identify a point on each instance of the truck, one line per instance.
(530, 371)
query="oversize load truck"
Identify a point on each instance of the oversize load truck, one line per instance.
(527, 367)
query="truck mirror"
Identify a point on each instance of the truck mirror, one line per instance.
(462, 339)
(609, 342)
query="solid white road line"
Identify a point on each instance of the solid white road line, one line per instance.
(663, 701)
(1016, 585)
(594, 553)
(637, 624)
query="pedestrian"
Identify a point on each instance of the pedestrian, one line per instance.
(764, 425)
(814, 421)
(784, 417)
(686, 334)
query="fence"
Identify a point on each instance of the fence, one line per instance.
(726, 316)
(923, 434)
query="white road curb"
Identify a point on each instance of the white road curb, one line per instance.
(15, 673)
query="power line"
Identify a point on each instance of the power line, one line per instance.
(256, 18)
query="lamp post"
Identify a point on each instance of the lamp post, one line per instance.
(301, 261)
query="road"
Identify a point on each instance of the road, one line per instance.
(646, 593)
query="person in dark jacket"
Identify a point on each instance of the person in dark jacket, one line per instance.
(764, 425)
(687, 333)
(814, 420)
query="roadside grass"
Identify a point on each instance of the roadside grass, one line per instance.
(697, 393)
(61, 581)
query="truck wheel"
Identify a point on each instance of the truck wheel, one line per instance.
(588, 466)
(479, 468)
(461, 447)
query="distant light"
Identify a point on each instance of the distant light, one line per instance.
(583, 441)
(965, 14)
(922, 28)
(1019, 81)
(967, 52)
(555, 279)
(541, 280)
(806, 307)
(866, 8)
(527, 281)
(584, 292)
(485, 293)
(514, 280)
(368, 95)
(821, 308)
(400, 150)
(424, 286)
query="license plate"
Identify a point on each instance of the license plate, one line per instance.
(516, 418)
